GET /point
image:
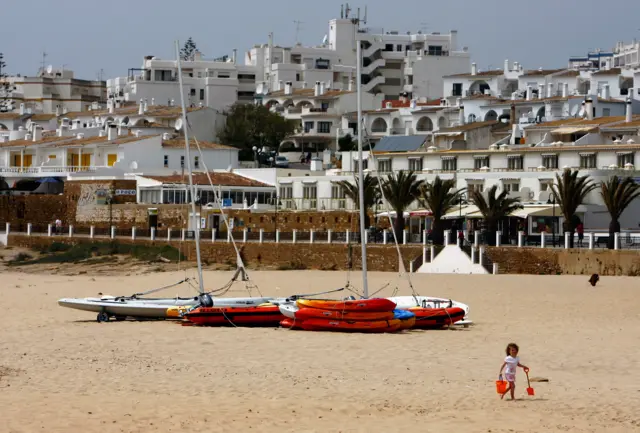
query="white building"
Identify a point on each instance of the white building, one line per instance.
(114, 154)
(393, 63)
(216, 84)
(54, 89)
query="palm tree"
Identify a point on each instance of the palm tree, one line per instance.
(400, 190)
(617, 195)
(371, 194)
(439, 199)
(570, 193)
(494, 208)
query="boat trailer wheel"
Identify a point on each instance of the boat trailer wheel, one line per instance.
(103, 317)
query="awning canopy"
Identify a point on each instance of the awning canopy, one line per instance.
(392, 214)
(573, 130)
(462, 212)
(421, 213)
(541, 210)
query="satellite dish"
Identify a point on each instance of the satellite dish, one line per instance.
(179, 124)
(49, 69)
(133, 165)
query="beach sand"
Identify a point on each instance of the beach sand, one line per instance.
(60, 371)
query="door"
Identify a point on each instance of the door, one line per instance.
(17, 161)
(215, 224)
(28, 159)
(86, 160)
(74, 159)
(111, 159)
(153, 221)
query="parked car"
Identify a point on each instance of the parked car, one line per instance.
(282, 161)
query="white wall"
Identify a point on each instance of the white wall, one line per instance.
(428, 73)
(452, 260)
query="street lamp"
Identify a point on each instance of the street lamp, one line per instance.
(255, 154)
(552, 201)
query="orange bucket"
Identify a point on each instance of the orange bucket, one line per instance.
(501, 386)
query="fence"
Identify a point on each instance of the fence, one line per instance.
(626, 240)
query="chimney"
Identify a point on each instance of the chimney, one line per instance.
(22, 109)
(58, 112)
(506, 66)
(565, 90)
(62, 131)
(516, 66)
(101, 133)
(529, 96)
(112, 132)
(37, 133)
(141, 107)
(110, 106)
(461, 115)
(153, 101)
(459, 102)
(137, 133)
(514, 96)
(593, 88)
(474, 69)
(350, 85)
(316, 164)
(629, 115)
(550, 90)
(322, 88)
(288, 88)
(589, 108)
(28, 137)
(316, 89)
(145, 105)
(541, 88)
(234, 56)
(304, 84)
(280, 85)
(413, 104)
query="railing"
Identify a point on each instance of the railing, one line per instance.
(49, 169)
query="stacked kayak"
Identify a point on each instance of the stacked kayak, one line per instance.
(366, 315)
(261, 315)
(434, 313)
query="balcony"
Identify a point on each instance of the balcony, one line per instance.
(47, 171)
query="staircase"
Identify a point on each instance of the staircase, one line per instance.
(375, 46)
(377, 81)
(380, 63)
(487, 263)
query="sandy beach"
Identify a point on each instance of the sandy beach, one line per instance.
(60, 371)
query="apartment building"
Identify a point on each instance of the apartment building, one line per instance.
(53, 89)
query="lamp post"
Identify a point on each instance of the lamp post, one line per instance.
(255, 156)
(462, 199)
(552, 201)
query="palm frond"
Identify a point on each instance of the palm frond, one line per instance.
(618, 194)
(439, 197)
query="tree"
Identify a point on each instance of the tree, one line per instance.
(371, 194)
(494, 208)
(249, 125)
(400, 190)
(439, 197)
(346, 143)
(617, 195)
(5, 87)
(570, 193)
(189, 49)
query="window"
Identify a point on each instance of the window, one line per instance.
(480, 162)
(202, 94)
(415, 164)
(224, 75)
(550, 161)
(324, 127)
(196, 162)
(435, 50)
(193, 92)
(182, 161)
(166, 161)
(511, 186)
(388, 47)
(365, 165)
(338, 193)
(588, 160)
(516, 162)
(624, 159)
(246, 77)
(310, 193)
(474, 186)
(399, 47)
(308, 126)
(606, 112)
(449, 164)
(384, 165)
(545, 185)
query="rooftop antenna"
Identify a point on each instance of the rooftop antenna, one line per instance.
(364, 20)
(100, 74)
(347, 9)
(297, 23)
(342, 12)
(44, 60)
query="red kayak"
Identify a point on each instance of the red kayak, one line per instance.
(434, 318)
(316, 313)
(371, 305)
(369, 326)
(240, 316)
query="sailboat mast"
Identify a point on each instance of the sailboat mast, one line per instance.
(363, 229)
(196, 221)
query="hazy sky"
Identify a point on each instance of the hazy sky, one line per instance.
(89, 35)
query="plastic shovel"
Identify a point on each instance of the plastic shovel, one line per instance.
(529, 389)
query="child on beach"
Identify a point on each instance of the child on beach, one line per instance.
(511, 362)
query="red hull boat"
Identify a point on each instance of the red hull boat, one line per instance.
(239, 316)
(435, 318)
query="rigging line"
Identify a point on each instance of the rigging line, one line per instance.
(218, 202)
(401, 268)
(160, 288)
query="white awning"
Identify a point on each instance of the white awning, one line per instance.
(573, 130)
(542, 210)
(448, 157)
(461, 212)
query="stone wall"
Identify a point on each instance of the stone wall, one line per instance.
(549, 261)
(279, 256)
(39, 210)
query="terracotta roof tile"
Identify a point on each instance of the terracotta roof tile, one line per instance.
(10, 115)
(179, 143)
(467, 127)
(217, 178)
(612, 71)
(538, 73)
(568, 73)
(598, 121)
(541, 149)
(492, 73)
